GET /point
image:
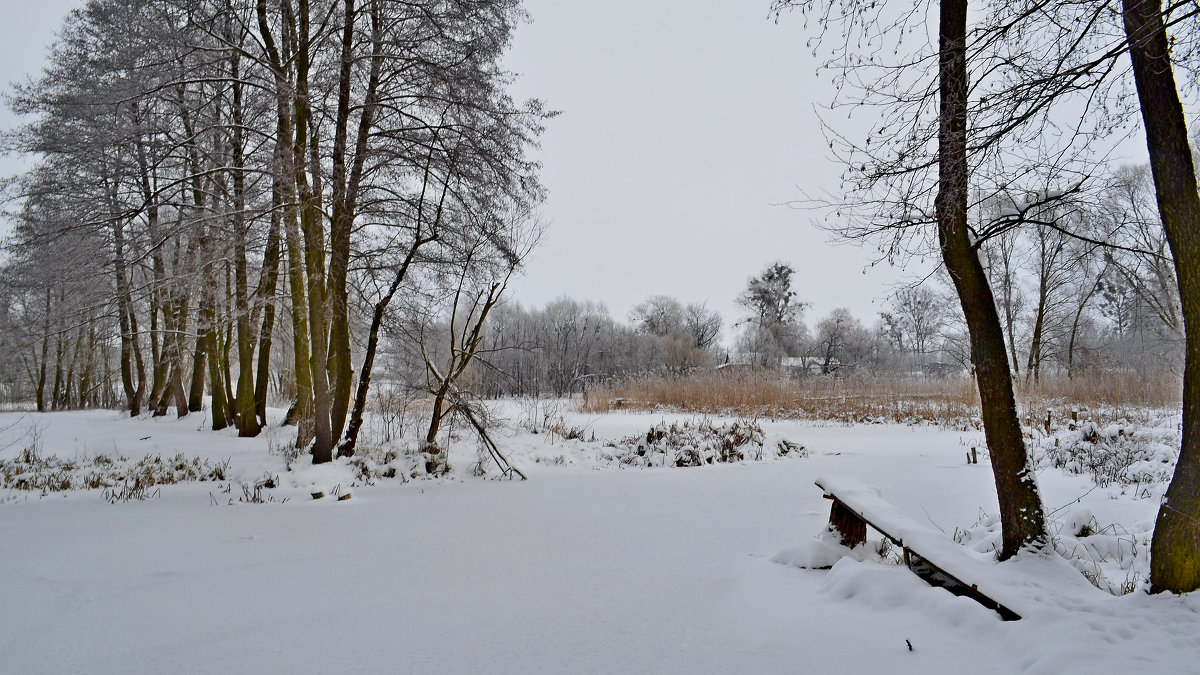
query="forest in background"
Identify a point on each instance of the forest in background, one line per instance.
(277, 202)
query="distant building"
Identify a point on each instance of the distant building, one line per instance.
(788, 365)
(809, 365)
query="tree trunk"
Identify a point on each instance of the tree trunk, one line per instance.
(1075, 324)
(289, 169)
(219, 410)
(133, 392)
(313, 230)
(1175, 549)
(1021, 515)
(345, 199)
(339, 238)
(244, 405)
(158, 375)
(346, 449)
(168, 361)
(1033, 369)
(41, 380)
(436, 462)
(199, 355)
(226, 343)
(139, 364)
(266, 298)
(56, 393)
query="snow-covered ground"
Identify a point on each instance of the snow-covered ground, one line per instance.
(592, 565)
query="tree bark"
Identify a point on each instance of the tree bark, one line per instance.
(244, 406)
(1021, 515)
(219, 409)
(339, 237)
(346, 448)
(313, 230)
(199, 355)
(346, 185)
(266, 298)
(1175, 549)
(133, 389)
(289, 169)
(41, 380)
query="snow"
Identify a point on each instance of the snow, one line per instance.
(590, 566)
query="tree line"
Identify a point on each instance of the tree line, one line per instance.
(226, 190)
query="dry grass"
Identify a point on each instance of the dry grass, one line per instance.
(863, 398)
(1118, 390)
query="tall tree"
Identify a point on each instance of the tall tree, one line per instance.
(1175, 549)
(891, 180)
(1021, 513)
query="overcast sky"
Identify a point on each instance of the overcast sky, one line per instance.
(685, 125)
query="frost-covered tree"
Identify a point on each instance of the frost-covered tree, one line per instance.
(775, 326)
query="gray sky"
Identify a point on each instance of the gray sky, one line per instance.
(25, 34)
(685, 123)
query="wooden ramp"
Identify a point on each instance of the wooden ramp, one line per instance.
(927, 552)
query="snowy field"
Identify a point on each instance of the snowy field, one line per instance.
(589, 566)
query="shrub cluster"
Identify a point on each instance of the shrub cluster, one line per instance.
(29, 471)
(693, 443)
(1119, 453)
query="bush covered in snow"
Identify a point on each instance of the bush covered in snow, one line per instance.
(696, 443)
(1113, 558)
(1120, 453)
(29, 471)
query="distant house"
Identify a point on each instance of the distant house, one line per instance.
(809, 365)
(788, 365)
(737, 362)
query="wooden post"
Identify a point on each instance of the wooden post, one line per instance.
(851, 528)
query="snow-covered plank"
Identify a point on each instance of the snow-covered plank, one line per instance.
(927, 552)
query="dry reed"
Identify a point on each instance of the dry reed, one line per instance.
(860, 397)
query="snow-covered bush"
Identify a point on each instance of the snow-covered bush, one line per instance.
(373, 462)
(1120, 453)
(694, 443)
(1112, 557)
(28, 471)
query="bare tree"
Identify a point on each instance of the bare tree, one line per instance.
(658, 315)
(701, 324)
(1175, 552)
(934, 152)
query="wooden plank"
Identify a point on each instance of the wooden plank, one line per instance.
(937, 577)
(843, 515)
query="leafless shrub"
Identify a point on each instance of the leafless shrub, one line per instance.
(396, 410)
(1117, 453)
(136, 490)
(694, 443)
(118, 476)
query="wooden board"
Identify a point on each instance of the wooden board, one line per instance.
(933, 558)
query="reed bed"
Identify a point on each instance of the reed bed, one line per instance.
(863, 398)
